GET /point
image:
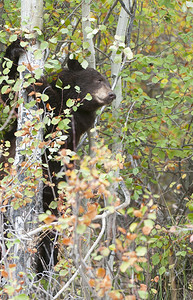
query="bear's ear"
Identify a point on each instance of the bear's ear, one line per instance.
(74, 65)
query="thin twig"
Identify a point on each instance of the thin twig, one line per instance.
(121, 206)
(10, 114)
(85, 259)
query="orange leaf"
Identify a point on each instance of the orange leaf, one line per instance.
(122, 230)
(92, 282)
(130, 297)
(12, 265)
(29, 67)
(67, 241)
(138, 214)
(156, 279)
(33, 250)
(179, 186)
(19, 289)
(31, 93)
(106, 283)
(138, 268)
(146, 230)
(49, 219)
(42, 144)
(38, 83)
(92, 210)
(143, 287)
(131, 236)
(4, 273)
(86, 220)
(115, 295)
(100, 273)
(81, 209)
(18, 195)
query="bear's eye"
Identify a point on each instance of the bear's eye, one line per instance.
(99, 80)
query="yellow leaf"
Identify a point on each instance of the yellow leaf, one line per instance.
(164, 81)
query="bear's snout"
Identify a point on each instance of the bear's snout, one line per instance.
(112, 96)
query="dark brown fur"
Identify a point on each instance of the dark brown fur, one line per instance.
(90, 82)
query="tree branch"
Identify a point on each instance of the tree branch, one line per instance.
(84, 260)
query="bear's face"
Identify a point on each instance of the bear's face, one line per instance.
(91, 82)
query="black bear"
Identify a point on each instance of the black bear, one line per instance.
(77, 84)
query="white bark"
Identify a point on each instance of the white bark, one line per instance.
(117, 87)
(31, 15)
(24, 219)
(87, 24)
(116, 67)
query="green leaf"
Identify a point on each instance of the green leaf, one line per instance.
(149, 223)
(21, 297)
(42, 217)
(44, 97)
(67, 87)
(6, 109)
(156, 259)
(21, 68)
(31, 104)
(102, 27)
(44, 45)
(190, 217)
(162, 270)
(86, 45)
(38, 72)
(81, 228)
(59, 83)
(6, 71)
(190, 206)
(29, 193)
(112, 247)
(141, 251)
(13, 38)
(55, 121)
(143, 294)
(63, 124)
(11, 160)
(133, 226)
(98, 257)
(53, 40)
(62, 185)
(128, 52)
(63, 272)
(70, 102)
(84, 64)
(53, 205)
(124, 266)
(105, 252)
(181, 253)
(4, 89)
(135, 171)
(88, 97)
(7, 144)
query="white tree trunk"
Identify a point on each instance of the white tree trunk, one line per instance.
(116, 59)
(25, 219)
(85, 25)
(116, 67)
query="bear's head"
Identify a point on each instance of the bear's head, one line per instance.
(90, 82)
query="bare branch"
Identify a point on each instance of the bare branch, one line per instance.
(84, 260)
